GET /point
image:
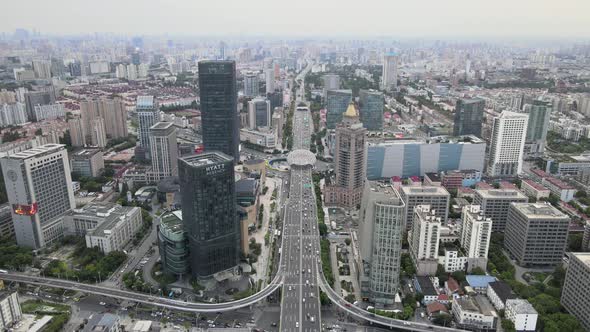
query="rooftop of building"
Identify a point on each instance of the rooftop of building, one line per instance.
(425, 213)
(534, 184)
(509, 114)
(521, 306)
(477, 281)
(340, 91)
(539, 210)
(206, 159)
(101, 322)
(500, 193)
(471, 100)
(466, 139)
(109, 213)
(5, 293)
(145, 102)
(162, 126)
(426, 286)
(38, 151)
(433, 176)
(435, 307)
(477, 303)
(351, 111)
(453, 285)
(172, 221)
(387, 189)
(584, 158)
(502, 290)
(85, 154)
(584, 257)
(539, 173)
(246, 186)
(425, 190)
(507, 185)
(558, 183)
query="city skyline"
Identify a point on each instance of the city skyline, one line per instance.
(460, 18)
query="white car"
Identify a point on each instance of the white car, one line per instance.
(102, 303)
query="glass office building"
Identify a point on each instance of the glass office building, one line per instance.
(207, 186)
(336, 104)
(173, 244)
(371, 105)
(469, 117)
(219, 112)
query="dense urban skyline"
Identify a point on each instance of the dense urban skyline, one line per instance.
(459, 18)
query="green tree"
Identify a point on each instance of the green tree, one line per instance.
(459, 276)
(575, 242)
(442, 319)
(508, 325)
(478, 271)
(545, 304)
(560, 322)
(323, 229)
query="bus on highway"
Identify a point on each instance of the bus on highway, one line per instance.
(3, 271)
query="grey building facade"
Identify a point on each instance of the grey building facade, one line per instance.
(536, 233)
(381, 230)
(39, 188)
(538, 125)
(468, 117)
(219, 112)
(209, 216)
(495, 204)
(575, 295)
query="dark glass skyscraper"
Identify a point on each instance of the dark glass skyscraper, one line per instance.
(209, 214)
(371, 104)
(468, 117)
(219, 114)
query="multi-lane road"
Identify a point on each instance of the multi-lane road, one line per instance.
(300, 307)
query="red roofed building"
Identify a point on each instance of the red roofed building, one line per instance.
(483, 185)
(436, 308)
(533, 189)
(563, 190)
(452, 287)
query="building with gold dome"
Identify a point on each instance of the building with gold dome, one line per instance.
(346, 188)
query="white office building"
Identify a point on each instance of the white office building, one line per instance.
(10, 310)
(49, 112)
(269, 77)
(424, 240)
(251, 87)
(437, 198)
(164, 150)
(39, 188)
(476, 232)
(507, 144)
(522, 314)
(13, 114)
(259, 114)
(389, 75)
(380, 239)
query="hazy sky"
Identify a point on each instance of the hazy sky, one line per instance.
(411, 18)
